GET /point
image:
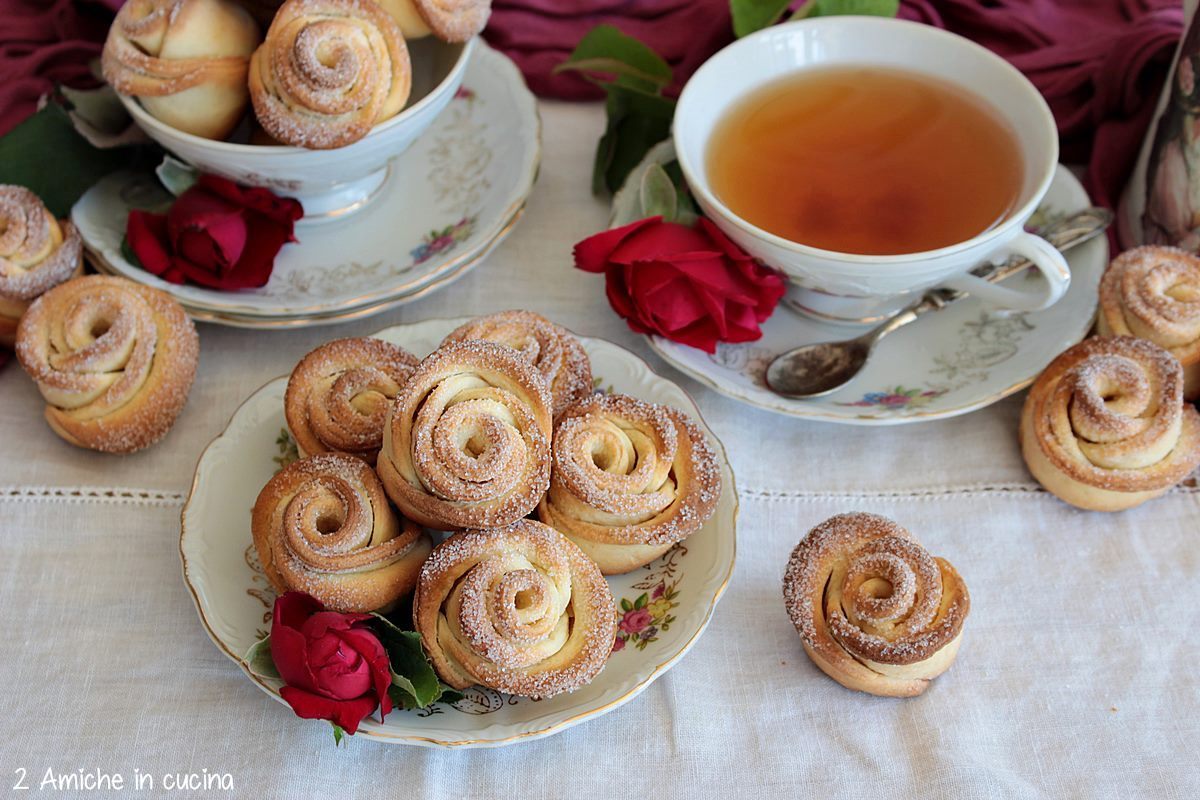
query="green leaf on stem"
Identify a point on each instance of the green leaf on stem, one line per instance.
(658, 195)
(754, 15)
(414, 683)
(604, 50)
(258, 660)
(835, 8)
(338, 734)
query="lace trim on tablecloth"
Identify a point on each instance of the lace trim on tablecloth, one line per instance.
(91, 494)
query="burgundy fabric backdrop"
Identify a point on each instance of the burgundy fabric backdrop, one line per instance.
(1099, 63)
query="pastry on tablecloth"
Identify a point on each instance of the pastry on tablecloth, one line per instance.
(517, 609)
(553, 349)
(629, 480)
(185, 61)
(448, 20)
(37, 253)
(875, 611)
(1153, 293)
(338, 395)
(1105, 427)
(329, 71)
(323, 526)
(114, 360)
(466, 443)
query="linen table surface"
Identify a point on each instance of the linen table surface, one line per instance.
(1077, 676)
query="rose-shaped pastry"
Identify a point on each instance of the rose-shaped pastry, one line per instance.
(448, 20)
(629, 480)
(1154, 293)
(339, 394)
(876, 612)
(114, 359)
(467, 441)
(323, 526)
(334, 666)
(185, 61)
(328, 71)
(518, 609)
(1104, 426)
(216, 234)
(690, 285)
(554, 350)
(37, 253)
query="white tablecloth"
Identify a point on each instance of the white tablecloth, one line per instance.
(1077, 676)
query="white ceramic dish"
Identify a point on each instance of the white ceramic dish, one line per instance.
(948, 363)
(234, 600)
(447, 202)
(329, 183)
(853, 286)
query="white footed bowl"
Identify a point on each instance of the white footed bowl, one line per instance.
(328, 183)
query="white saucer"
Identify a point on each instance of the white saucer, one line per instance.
(234, 600)
(447, 201)
(947, 363)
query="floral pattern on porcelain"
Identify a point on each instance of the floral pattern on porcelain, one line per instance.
(442, 241)
(897, 398)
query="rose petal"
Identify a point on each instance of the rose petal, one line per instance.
(293, 608)
(257, 263)
(346, 714)
(372, 650)
(591, 254)
(147, 237)
(283, 211)
(660, 242)
(723, 242)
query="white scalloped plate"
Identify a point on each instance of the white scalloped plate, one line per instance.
(234, 599)
(447, 202)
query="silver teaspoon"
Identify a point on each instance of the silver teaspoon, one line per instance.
(814, 370)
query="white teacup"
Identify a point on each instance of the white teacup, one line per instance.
(861, 287)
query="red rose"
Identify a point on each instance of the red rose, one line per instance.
(691, 285)
(216, 234)
(335, 668)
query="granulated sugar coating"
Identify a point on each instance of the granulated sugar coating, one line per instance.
(36, 252)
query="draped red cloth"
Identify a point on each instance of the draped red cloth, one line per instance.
(1099, 63)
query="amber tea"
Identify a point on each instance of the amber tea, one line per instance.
(866, 160)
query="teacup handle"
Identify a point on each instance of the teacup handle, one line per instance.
(1044, 256)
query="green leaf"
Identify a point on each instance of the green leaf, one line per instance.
(48, 156)
(641, 601)
(636, 122)
(626, 605)
(258, 660)
(658, 195)
(754, 15)
(604, 50)
(338, 734)
(835, 8)
(412, 674)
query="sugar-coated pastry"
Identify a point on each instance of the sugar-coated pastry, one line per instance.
(1153, 293)
(553, 349)
(629, 480)
(185, 60)
(448, 20)
(37, 253)
(875, 611)
(467, 441)
(517, 609)
(1105, 427)
(328, 71)
(339, 394)
(323, 526)
(113, 359)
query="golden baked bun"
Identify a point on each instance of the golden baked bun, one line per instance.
(1153, 293)
(323, 526)
(466, 444)
(339, 394)
(552, 349)
(629, 480)
(37, 253)
(113, 359)
(448, 20)
(875, 611)
(329, 71)
(1105, 427)
(517, 609)
(185, 61)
